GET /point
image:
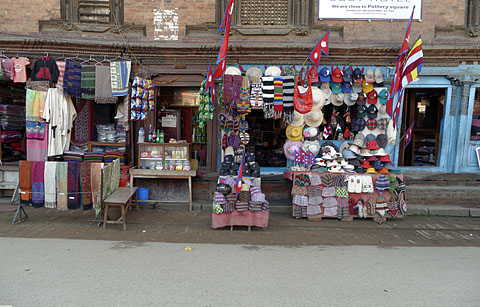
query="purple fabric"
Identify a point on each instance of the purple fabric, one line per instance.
(38, 188)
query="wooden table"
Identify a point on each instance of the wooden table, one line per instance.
(165, 174)
(121, 197)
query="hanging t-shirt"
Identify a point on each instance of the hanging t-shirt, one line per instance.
(19, 69)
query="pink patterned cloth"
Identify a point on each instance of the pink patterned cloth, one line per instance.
(61, 73)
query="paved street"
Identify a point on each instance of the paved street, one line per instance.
(61, 258)
(195, 227)
(60, 272)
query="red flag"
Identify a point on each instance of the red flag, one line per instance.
(347, 133)
(222, 53)
(311, 158)
(221, 67)
(408, 135)
(396, 112)
(322, 46)
(209, 78)
(212, 94)
(238, 183)
(227, 16)
(396, 82)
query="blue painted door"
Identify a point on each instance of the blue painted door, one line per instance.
(470, 139)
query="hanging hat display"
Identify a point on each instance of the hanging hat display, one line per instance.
(233, 71)
(290, 147)
(313, 118)
(312, 146)
(294, 133)
(253, 72)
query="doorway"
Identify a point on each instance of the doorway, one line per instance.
(425, 107)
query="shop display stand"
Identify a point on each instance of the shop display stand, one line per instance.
(355, 196)
(20, 209)
(243, 218)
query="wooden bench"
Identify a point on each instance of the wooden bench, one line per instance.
(122, 197)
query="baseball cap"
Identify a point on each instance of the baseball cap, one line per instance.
(324, 75)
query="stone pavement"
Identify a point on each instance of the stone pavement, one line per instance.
(149, 225)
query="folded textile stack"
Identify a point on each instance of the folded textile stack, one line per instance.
(106, 133)
(110, 156)
(121, 135)
(93, 157)
(73, 156)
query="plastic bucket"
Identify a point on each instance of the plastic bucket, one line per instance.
(142, 194)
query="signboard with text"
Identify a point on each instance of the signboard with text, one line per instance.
(369, 9)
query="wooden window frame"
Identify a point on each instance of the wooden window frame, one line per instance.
(70, 12)
(301, 14)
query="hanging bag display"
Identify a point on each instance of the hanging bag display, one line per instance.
(243, 104)
(303, 101)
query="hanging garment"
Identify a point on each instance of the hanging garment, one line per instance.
(70, 114)
(37, 147)
(50, 184)
(85, 183)
(25, 182)
(278, 97)
(55, 109)
(72, 79)
(45, 69)
(62, 185)
(268, 96)
(38, 190)
(74, 188)
(95, 174)
(256, 95)
(120, 74)
(103, 85)
(61, 73)
(35, 105)
(87, 81)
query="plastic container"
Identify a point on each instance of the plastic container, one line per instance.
(141, 135)
(142, 194)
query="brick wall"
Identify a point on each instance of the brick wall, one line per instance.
(21, 16)
(166, 19)
(440, 13)
(192, 12)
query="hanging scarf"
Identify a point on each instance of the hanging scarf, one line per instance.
(278, 96)
(72, 85)
(51, 184)
(256, 95)
(25, 182)
(243, 103)
(268, 96)
(74, 188)
(288, 94)
(62, 185)
(95, 174)
(88, 81)
(120, 74)
(85, 175)
(103, 85)
(38, 188)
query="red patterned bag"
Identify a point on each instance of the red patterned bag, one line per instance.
(303, 102)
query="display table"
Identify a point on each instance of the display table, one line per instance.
(165, 174)
(353, 197)
(243, 218)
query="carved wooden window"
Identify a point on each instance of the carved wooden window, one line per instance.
(93, 11)
(264, 12)
(271, 14)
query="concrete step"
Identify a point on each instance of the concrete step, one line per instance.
(465, 196)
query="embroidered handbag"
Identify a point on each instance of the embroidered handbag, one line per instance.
(303, 102)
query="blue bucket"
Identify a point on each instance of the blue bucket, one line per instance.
(142, 194)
